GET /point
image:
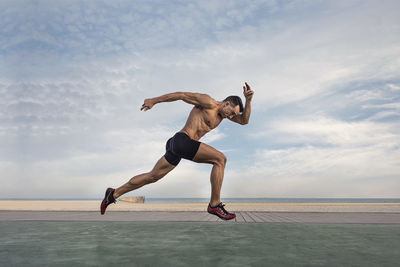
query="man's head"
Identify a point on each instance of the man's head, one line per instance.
(232, 106)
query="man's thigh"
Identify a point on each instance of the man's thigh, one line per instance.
(162, 167)
(207, 154)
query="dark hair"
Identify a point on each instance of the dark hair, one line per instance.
(234, 100)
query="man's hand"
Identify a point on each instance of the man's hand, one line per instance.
(247, 92)
(148, 104)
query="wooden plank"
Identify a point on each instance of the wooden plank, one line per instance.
(204, 216)
(239, 217)
(210, 217)
(197, 216)
(246, 217)
(256, 217)
(282, 217)
(266, 217)
(253, 217)
(269, 217)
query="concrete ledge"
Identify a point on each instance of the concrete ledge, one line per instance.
(133, 199)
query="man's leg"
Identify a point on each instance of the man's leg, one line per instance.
(161, 169)
(208, 154)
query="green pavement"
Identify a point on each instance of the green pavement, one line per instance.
(197, 244)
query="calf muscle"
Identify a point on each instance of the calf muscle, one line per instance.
(161, 169)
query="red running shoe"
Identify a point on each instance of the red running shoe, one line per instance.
(221, 212)
(108, 199)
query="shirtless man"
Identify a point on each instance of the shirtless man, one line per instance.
(206, 115)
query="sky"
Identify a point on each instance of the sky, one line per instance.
(325, 113)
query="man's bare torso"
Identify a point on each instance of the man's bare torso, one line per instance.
(202, 120)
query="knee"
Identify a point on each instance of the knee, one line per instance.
(221, 160)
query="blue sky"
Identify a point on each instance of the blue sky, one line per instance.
(326, 109)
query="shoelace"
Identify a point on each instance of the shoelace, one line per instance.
(221, 206)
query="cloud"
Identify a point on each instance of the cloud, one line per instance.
(320, 172)
(213, 136)
(73, 77)
(319, 130)
(324, 157)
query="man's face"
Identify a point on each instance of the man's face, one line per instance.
(229, 112)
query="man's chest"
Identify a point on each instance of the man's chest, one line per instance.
(211, 119)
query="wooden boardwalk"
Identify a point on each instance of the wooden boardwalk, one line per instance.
(197, 216)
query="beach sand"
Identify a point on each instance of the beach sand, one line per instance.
(93, 205)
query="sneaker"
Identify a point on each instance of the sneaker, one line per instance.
(221, 212)
(108, 199)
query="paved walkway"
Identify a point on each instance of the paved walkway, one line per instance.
(196, 216)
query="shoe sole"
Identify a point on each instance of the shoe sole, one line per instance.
(226, 219)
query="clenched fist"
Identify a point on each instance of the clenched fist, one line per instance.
(148, 104)
(247, 92)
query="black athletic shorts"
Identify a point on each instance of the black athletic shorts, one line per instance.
(180, 146)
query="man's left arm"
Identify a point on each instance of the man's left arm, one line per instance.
(245, 116)
(246, 113)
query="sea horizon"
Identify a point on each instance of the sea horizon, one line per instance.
(240, 200)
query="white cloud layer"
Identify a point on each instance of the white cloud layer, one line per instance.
(335, 159)
(325, 119)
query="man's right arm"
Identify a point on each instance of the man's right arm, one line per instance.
(192, 98)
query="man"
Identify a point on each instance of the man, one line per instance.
(206, 115)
